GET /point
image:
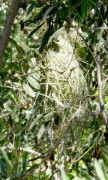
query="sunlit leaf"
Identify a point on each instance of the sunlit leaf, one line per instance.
(47, 12)
(99, 170)
(55, 98)
(64, 176)
(33, 83)
(55, 35)
(28, 90)
(41, 131)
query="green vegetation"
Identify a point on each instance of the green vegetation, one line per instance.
(54, 122)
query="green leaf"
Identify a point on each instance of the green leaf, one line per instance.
(28, 90)
(6, 158)
(9, 178)
(41, 131)
(33, 83)
(46, 37)
(55, 35)
(76, 3)
(1, 126)
(31, 7)
(18, 47)
(55, 98)
(92, 2)
(24, 164)
(35, 120)
(64, 176)
(36, 29)
(3, 168)
(84, 9)
(34, 166)
(47, 12)
(38, 16)
(36, 75)
(99, 170)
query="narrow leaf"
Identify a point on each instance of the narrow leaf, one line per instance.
(32, 6)
(47, 12)
(55, 98)
(55, 35)
(6, 158)
(28, 90)
(35, 120)
(33, 83)
(41, 131)
(99, 170)
(46, 37)
(36, 29)
(18, 47)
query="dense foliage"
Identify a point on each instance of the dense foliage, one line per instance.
(40, 138)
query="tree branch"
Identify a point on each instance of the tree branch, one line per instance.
(99, 81)
(15, 5)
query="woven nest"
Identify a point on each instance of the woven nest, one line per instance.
(64, 74)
